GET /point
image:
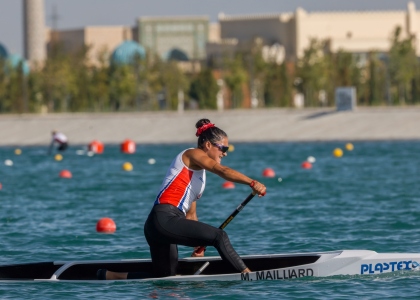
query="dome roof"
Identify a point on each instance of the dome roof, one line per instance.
(14, 61)
(126, 52)
(3, 51)
(177, 54)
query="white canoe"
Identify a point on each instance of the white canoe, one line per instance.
(264, 267)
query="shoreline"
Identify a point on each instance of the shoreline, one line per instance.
(241, 125)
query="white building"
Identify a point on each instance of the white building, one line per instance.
(354, 31)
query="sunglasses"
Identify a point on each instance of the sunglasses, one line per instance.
(221, 147)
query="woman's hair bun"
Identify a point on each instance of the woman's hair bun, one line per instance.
(202, 122)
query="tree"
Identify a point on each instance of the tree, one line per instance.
(122, 87)
(173, 80)
(348, 71)
(313, 70)
(402, 64)
(100, 84)
(3, 85)
(278, 85)
(235, 77)
(204, 88)
(376, 79)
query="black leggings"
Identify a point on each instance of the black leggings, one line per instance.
(167, 226)
(62, 146)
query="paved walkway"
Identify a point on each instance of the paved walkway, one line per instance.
(241, 126)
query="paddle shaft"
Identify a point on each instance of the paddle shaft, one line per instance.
(230, 218)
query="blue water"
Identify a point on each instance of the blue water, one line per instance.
(367, 199)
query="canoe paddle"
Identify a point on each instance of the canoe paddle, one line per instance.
(230, 218)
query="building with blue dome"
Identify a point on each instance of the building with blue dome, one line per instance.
(3, 52)
(15, 61)
(127, 52)
(188, 34)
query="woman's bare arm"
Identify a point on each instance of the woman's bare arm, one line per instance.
(192, 213)
(197, 158)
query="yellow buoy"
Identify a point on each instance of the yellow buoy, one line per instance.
(58, 157)
(231, 148)
(349, 147)
(338, 152)
(18, 151)
(127, 167)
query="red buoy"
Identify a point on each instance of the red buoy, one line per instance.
(128, 147)
(228, 185)
(306, 165)
(1, 186)
(106, 225)
(96, 147)
(268, 172)
(65, 174)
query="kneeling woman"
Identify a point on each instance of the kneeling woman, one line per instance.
(173, 220)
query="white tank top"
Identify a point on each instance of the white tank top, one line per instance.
(181, 185)
(60, 138)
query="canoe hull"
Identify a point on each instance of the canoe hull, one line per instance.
(264, 267)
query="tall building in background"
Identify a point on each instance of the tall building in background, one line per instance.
(34, 36)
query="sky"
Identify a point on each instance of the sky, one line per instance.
(80, 13)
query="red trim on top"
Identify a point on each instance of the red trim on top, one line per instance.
(174, 193)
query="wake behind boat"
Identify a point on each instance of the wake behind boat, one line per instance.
(264, 267)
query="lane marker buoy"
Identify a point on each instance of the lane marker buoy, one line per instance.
(349, 147)
(65, 174)
(268, 172)
(338, 152)
(228, 185)
(127, 167)
(106, 225)
(96, 147)
(311, 159)
(306, 165)
(128, 146)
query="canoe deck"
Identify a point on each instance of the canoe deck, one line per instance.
(86, 270)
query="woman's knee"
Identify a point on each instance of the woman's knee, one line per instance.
(221, 237)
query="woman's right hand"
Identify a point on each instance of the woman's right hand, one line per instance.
(258, 188)
(195, 254)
